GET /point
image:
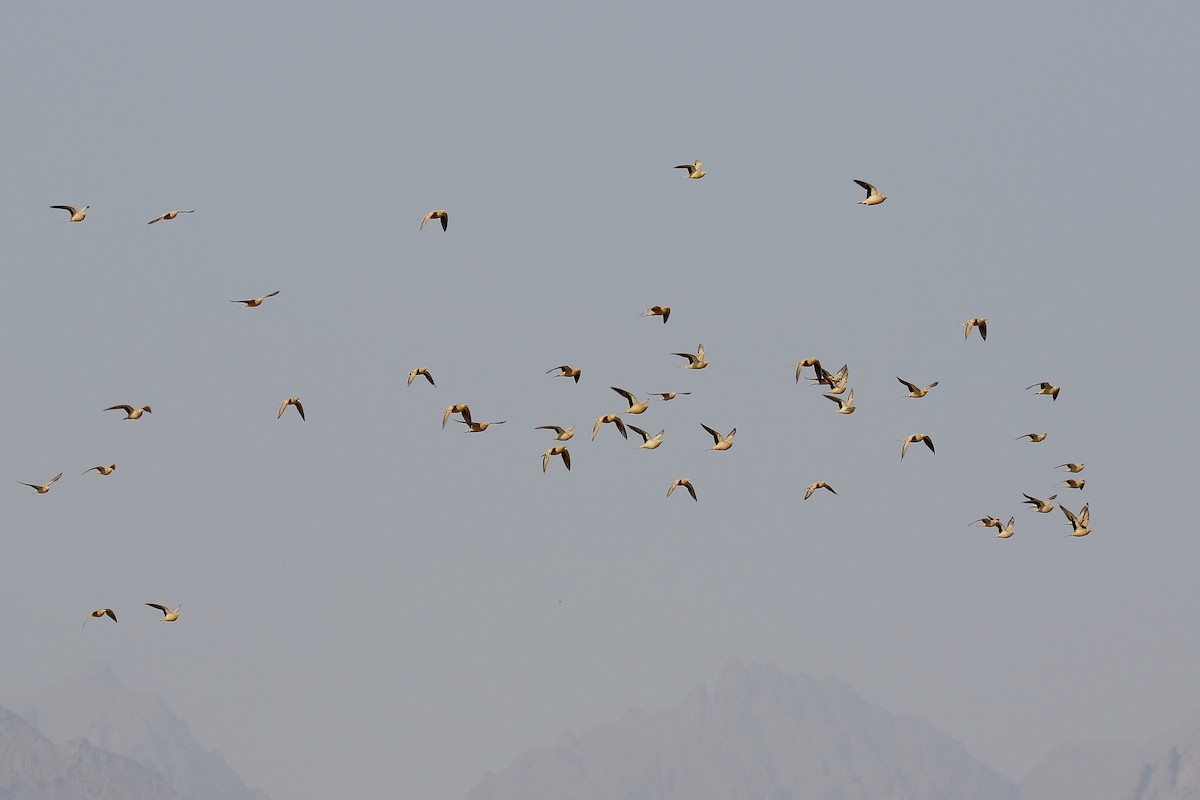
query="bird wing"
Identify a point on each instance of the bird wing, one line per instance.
(929, 443)
(870, 189)
(66, 208)
(621, 427)
(282, 407)
(1074, 520)
(566, 455)
(904, 447)
(930, 386)
(645, 436)
(627, 395)
(912, 387)
(445, 220)
(163, 609)
(835, 399)
(157, 219)
(111, 613)
(429, 378)
(691, 490)
(716, 436)
(666, 314)
(55, 478)
(690, 357)
(126, 409)
(546, 459)
(1085, 516)
(982, 325)
(299, 408)
(810, 491)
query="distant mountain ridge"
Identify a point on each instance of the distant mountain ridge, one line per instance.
(758, 735)
(94, 706)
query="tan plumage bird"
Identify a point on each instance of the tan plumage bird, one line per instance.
(635, 406)
(566, 371)
(1045, 387)
(975, 322)
(42, 488)
(440, 214)
(694, 171)
(1079, 524)
(98, 613)
(1040, 506)
(561, 434)
(1008, 530)
(721, 442)
(101, 469)
(557, 450)
(291, 401)
(824, 377)
(1033, 437)
(255, 302)
(419, 371)
(478, 427)
(685, 483)
(1073, 483)
(669, 395)
(130, 411)
(456, 408)
(844, 406)
(615, 419)
(1072, 467)
(658, 311)
(76, 215)
(914, 390)
(916, 438)
(988, 522)
(818, 485)
(648, 442)
(837, 385)
(873, 197)
(694, 361)
(168, 616)
(170, 215)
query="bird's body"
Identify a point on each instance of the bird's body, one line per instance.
(818, 485)
(721, 442)
(648, 442)
(44, 487)
(255, 302)
(170, 215)
(130, 411)
(815, 363)
(844, 406)
(291, 401)
(440, 215)
(1070, 467)
(566, 371)
(1079, 524)
(914, 390)
(1073, 483)
(418, 372)
(103, 470)
(98, 613)
(1047, 388)
(975, 322)
(1040, 506)
(1008, 530)
(614, 419)
(556, 450)
(456, 408)
(635, 406)
(668, 395)
(694, 171)
(916, 438)
(873, 197)
(77, 215)
(658, 311)
(561, 434)
(685, 483)
(478, 427)
(168, 615)
(989, 522)
(694, 361)
(1033, 437)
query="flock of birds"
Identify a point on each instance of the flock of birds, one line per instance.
(836, 383)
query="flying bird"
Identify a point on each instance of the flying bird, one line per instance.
(914, 390)
(77, 215)
(818, 485)
(694, 170)
(694, 361)
(635, 406)
(42, 488)
(412, 376)
(456, 408)
(916, 438)
(130, 411)
(685, 483)
(1073, 483)
(1033, 437)
(668, 395)
(844, 406)
(658, 311)
(873, 197)
(1040, 506)
(255, 302)
(1072, 467)
(98, 613)
(649, 442)
(1079, 524)
(561, 434)
(565, 371)
(988, 522)
(557, 450)
(291, 401)
(101, 469)
(815, 363)
(1008, 530)
(615, 419)
(168, 616)
(478, 427)
(170, 215)
(1045, 387)
(975, 322)
(721, 442)
(440, 214)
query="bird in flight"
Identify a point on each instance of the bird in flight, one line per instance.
(649, 442)
(615, 419)
(77, 215)
(1073, 483)
(412, 376)
(914, 390)
(168, 616)
(916, 438)
(668, 395)
(815, 363)
(844, 406)
(103, 470)
(561, 434)
(565, 371)
(441, 215)
(456, 408)
(1072, 467)
(478, 427)
(98, 613)
(694, 361)
(975, 322)
(721, 442)
(1045, 387)
(557, 450)
(1040, 506)
(658, 311)
(1079, 524)
(42, 488)
(1008, 530)
(255, 302)
(1033, 437)
(818, 485)
(635, 406)
(291, 401)
(988, 522)
(170, 215)
(694, 171)
(130, 411)
(685, 483)
(873, 197)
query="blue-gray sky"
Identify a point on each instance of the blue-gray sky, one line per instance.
(372, 603)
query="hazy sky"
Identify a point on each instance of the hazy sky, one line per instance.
(373, 604)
